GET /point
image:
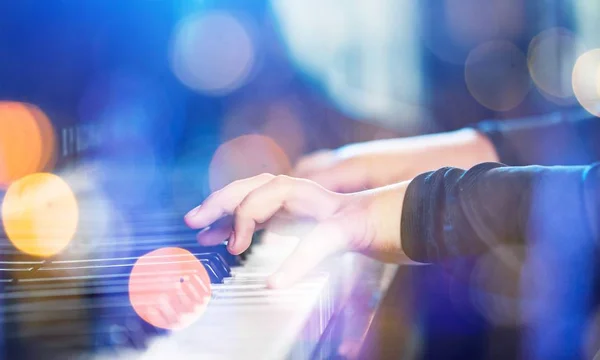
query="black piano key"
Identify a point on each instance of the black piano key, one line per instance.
(255, 240)
(220, 252)
(230, 259)
(217, 260)
(243, 256)
(257, 236)
(216, 276)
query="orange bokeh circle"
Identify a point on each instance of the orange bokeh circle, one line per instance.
(48, 157)
(246, 156)
(27, 141)
(40, 214)
(169, 288)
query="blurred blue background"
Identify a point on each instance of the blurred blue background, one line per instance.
(170, 99)
(165, 82)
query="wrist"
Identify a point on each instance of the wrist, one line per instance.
(475, 147)
(383, 221)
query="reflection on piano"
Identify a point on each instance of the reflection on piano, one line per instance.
(76, 304)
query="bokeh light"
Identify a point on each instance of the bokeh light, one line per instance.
(246, 156)
(585, 81)
(40, 214)
(279, 120)
(551, 57)
(313, 40)
(598, 81)
(472, 22)
(213, 52)
(169, 288)
(373, 74)
(496, 75)
(283, 125)
(27, 141)
(588, 27)
(49, 145)
(102, 225)
(465, 24)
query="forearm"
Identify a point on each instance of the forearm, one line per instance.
(461, 148)
(406, 158)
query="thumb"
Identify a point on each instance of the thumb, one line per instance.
(325, 240)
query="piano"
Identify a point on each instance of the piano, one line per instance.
(76, 305)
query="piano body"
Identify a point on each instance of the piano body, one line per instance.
(77, 305)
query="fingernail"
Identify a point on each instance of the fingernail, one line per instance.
(277, 280)
(193, 211)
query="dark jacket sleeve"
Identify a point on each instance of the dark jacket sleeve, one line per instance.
(569, 138)
(452, 213)
(540, 223)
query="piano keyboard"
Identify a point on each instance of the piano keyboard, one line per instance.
(77, 305)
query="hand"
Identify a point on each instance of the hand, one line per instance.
(378, 163)
(367, 222)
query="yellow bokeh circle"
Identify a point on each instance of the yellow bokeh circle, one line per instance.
(40, 214)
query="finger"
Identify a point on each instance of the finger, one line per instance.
(213, 236)
(216, 233)
(224, 201)
(324, 241)
(343, 177)
(300, 198)
(313, 162)
(258, 207)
